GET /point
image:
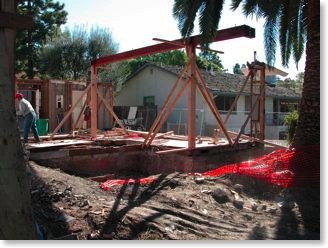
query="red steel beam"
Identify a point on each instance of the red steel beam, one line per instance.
(224, 34)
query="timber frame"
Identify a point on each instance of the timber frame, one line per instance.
(193, 83)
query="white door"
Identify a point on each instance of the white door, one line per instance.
(76, 94)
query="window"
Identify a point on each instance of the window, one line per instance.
(60, 101)
(224, 103)
(149, 101)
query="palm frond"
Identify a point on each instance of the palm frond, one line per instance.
(185, 12)
(270, 40)
(235, 4)
(209, 17)
(251, 8)
(284, 33)
(297, 31)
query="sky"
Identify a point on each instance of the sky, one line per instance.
(134, 24)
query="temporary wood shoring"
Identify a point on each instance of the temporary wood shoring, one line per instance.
(191, 43)
(260, 98)
(160, 115)
(204, 91)
(163, 116)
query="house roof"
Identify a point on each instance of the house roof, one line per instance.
(269, 71)
(225, 83)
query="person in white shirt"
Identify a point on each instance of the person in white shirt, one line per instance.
(26, 110)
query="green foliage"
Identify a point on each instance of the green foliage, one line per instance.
(294, 85)
(68, 55)
(208, 12)
(48, 16)
(176, 57)
(205, 60)
(209, 61)
(285, 23)
(291, 121)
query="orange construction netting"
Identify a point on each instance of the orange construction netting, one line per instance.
(284, 168)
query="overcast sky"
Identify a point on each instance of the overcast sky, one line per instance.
(134, 23)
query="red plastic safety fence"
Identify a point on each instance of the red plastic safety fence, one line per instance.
(285, 167)
(107, 185)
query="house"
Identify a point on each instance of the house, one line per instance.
(151, 84)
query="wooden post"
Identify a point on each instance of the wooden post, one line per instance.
(204, 91)
(111, 104)
(94, 103)
(191, 98)
(162, 111)
(152, 135)
(262, 104)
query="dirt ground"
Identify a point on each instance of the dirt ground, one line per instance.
(174, 207)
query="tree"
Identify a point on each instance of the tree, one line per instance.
(69, 54)
(209, 16)
(48, 16)
(16, 220)
(293, 24)
(292, 84)
(209, 61)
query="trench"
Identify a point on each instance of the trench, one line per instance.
(130, 159)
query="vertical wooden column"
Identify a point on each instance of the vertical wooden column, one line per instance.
(94, 102)
(191, 98)
(111, 104)
(262, 103)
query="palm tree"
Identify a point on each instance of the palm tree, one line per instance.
(292, 24)
(185, 12)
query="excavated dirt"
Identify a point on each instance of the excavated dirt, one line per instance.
(175, 207)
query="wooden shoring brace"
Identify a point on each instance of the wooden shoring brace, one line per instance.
(248, 117)
(204, 91)
(152, 135)
(262, 104)
(111, 103)
(258, 140)
(94, 102)
(236, 98)
(161, 112)
(191, 51)
(69, 113)
(111, 111)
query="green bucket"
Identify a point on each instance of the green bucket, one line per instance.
(42, 126)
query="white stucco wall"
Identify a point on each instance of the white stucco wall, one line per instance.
(153, 81)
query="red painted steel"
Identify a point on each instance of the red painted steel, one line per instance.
(224, 34)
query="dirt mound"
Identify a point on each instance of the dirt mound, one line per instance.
(175, 206)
